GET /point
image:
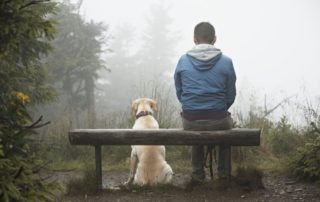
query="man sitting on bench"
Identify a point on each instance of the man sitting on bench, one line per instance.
(205, 86)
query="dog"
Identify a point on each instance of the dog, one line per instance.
(148, 164)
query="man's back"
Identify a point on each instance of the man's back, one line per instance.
(205, 79)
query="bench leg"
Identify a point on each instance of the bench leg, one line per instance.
(228, 161)
(97, 149)
(224, 163)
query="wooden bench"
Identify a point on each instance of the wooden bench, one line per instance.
(98, 137)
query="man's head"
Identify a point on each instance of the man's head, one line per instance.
(204, 33)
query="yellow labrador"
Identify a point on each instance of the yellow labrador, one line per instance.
(148, 164)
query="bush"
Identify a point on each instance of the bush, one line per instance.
(19, 167)
(306, 163)
(284, 139)
(25, 31)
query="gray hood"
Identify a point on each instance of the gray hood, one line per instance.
(204, 52)
(204, 56)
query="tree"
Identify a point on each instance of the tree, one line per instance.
(75, 62)
(25, 30)
(138, 67)
(157, 50)
(122, 62)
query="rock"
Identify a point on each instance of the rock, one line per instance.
(290, 182)
(115, 188)
(289, 189)
(282, 192)
(298, 189)
(243, 196)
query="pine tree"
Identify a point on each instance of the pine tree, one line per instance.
(75, 62)
(25, 30)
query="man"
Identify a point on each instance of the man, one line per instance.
(205, 86)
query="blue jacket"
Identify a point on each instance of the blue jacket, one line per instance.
(205, 80)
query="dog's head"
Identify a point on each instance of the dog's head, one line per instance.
(144, 104)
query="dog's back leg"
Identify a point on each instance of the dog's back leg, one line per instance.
(133, 165)
(169, 174)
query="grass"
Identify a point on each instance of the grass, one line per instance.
(179, 158)
(84, 185)
(117, 158)
(64, 165)
(81, 165)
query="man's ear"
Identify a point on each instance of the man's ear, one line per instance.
(134, 106)
(153, 105)
(195, 40)
(214, 40)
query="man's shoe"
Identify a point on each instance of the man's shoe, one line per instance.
(194, 180)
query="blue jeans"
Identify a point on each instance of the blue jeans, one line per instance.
(197, 152)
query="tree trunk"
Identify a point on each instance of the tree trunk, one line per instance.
(90, 101)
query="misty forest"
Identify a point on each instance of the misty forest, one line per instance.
(59, 71)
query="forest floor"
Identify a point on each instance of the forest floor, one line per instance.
(276, 188)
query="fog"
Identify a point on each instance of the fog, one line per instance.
(274, 45)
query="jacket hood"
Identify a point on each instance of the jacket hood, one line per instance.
(204, 56)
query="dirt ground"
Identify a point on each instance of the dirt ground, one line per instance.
(276, 188)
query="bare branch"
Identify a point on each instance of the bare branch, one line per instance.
(38, 168)
(18, 173)
(267, 112)
(32, 3)
(315, 128)
(36, 123)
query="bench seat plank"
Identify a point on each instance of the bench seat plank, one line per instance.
(234, 137)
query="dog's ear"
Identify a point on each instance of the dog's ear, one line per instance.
(134, 106)
(153, 105)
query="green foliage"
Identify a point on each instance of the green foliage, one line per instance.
(24, 28)
(305, 162)
(19, 167)
(279, 140)
(284, 139)
(24, 25)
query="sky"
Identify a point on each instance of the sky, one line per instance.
(274, 44)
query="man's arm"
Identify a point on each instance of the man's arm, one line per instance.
(177, 82)
(231, 87)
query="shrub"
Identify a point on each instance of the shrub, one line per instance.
(19, 167)
(25, 29)
(284, 139)
(306, 163)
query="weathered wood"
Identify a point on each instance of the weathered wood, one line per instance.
(233, 137)
(98, 176)
(225, 156)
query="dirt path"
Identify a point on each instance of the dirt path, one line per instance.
(277, 188)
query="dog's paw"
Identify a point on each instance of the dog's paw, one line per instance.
(128, 183)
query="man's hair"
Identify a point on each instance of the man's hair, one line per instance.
(204, 32)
